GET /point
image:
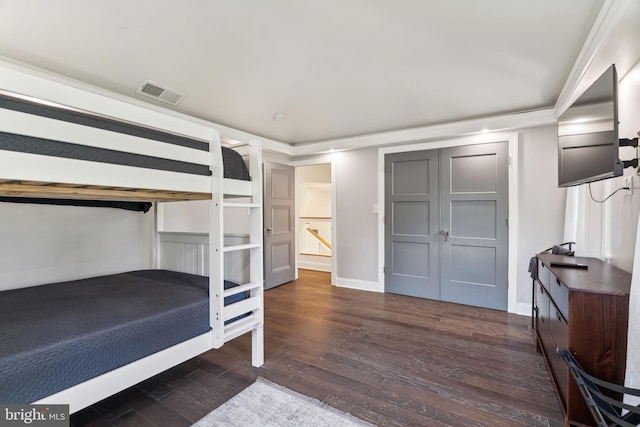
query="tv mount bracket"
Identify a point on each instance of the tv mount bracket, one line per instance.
(629, 142)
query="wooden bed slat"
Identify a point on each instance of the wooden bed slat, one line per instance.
(69, 191)
(34, 183)
(69, 185)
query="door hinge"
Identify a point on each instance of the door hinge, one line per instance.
(507, 221)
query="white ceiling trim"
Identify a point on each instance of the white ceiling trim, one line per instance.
(432, 133)
(610, 15)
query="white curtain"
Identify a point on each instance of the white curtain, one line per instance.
(632, 377)
(585, 221)
(586, 224)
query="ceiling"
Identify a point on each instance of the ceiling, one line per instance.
(331, 69)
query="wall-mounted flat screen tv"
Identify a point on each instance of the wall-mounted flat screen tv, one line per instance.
(588, 134)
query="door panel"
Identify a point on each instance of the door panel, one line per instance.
(473, 219)
(280, 257)
(471, 173)
(281, 220)
(411, 218)
(279, 224)
(474, 209)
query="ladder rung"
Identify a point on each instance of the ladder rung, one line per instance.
(240, 205)
(240, 247)
(239, 308)
(239, 327)
(242, 288)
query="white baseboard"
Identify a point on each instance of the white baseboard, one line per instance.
(363, 285)
(317, 266)
(523, 308)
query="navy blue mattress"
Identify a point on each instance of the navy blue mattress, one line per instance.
(58, 335)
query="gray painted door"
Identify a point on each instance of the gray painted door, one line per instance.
(279, 226)
(446, 235)
(474, 209)
(411, 224)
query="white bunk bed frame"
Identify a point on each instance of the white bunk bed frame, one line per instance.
(33, 175)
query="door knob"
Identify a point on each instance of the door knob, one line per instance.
(268, 230)
(445, 233)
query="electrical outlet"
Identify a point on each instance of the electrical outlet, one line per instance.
(628, 183)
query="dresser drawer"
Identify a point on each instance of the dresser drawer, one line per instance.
(542, 306)
(560, 333)
(559, 328)
(543, 321)
(543, 274)
(559, 294)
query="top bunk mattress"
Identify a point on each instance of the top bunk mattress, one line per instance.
(234, 165)
(58, 335)
(46, 136)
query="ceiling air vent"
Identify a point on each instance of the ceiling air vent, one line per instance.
(153, 90)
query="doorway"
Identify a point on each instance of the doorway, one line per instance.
(299, 217)
(314, 225)
(446, 231)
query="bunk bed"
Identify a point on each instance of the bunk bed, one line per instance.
(77, 342)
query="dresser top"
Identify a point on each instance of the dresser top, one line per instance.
(599, 277)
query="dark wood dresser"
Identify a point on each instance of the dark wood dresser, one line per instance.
(586, 311)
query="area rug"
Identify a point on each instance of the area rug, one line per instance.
(268, 404)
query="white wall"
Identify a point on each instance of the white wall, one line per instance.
(314, 199)
(623, 221)
(624, 210)
(187, 217)
(193, 217)
(314, 190)
(315, 173)
(44, 244)
(541, 203)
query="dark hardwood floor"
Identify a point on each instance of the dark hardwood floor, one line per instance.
(388, 359)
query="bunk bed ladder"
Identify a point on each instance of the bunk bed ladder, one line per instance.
(230, 321)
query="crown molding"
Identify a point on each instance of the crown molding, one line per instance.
(610, 15)
(431, 133)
